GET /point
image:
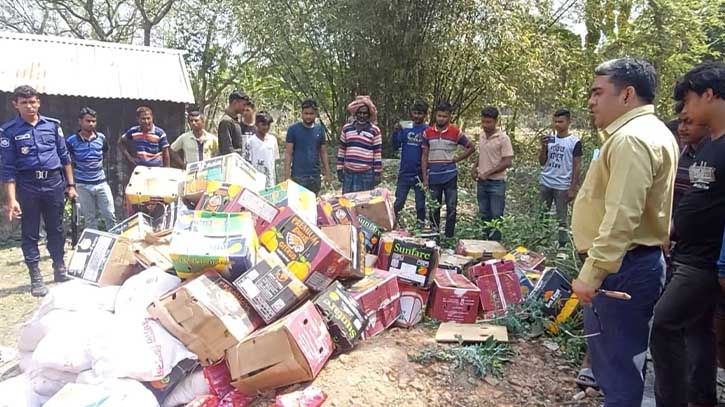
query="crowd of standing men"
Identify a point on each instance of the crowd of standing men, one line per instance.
(635, 205)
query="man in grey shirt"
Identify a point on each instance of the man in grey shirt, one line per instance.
(229, 130)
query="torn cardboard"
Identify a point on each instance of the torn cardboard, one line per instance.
(455, 333)
(293, 195)
(350, 241)
(375, 205)
(379, 296)
(413, 303)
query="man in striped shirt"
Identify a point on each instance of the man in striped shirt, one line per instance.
(359, 157)
(148, 142)
(438, 164)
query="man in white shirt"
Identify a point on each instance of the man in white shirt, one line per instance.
(561, 157)
(263, 148)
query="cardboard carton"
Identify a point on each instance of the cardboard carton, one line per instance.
(455, 262)
(336, 210)
(154, 184)
(306, 251)
(227, 168)
(217, 196)
(386, 247)
(134, 227)
(481, 249)
(351, 242)
(554, 289)
(372, 233)
(271, 288)
(414, 261)
(379, 296)
(292, 350)
(345, 319)
(263, 211)
(375, 205)
(524, 283)
(413, 303)
(486, 267)
(102, 258)
(154, 251)
(207, 314)
(499, 288)
(213, 241)
(526, 259)
(292, 195)
(455, 298)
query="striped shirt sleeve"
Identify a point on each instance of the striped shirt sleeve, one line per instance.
(378, 152)
(341, 150)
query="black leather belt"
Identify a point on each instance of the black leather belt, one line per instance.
(39, 174)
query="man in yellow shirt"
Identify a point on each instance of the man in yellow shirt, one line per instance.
(621, 219)
(195, 145)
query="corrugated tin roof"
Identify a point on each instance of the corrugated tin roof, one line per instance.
(66, 66)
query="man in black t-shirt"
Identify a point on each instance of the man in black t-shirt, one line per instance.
(683, 339)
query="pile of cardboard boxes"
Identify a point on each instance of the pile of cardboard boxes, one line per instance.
(277, 281)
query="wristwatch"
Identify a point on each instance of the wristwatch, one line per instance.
(70, 185)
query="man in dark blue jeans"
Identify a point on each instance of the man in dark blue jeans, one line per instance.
(305, 149)
(409, 140)
(495, 155)
(440, 172)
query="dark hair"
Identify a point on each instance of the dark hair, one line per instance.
(636, 73)
(679, 107)
(672, 125)
(444, 106)
(25, 92)
(563, 112)
(309, 104)
(238, 95)
(87, 111)
(194, 113)
(419, 106)
(144, 109)
(710, 75)
(489, 112)
(263, 117)
(251, 104)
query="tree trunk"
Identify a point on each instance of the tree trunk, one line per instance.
(147, 34)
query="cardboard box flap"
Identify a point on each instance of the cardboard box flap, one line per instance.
(450, 279)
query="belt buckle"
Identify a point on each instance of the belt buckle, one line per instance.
(41, 174)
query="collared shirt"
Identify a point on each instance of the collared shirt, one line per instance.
(87, 157)
(626, 198)
(442, 146)
(682, 179)
(196, 149)
(229, 133)
(148, 145)
(360, 150)
(491, 150)
(25, 147)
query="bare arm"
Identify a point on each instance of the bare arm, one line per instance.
(424, 166)
(177, 157)
(469, 148)
(68, 169)
(166, 157)
(544, 151)
(505, 163)
(288, 160)
(325, 162)
(576, 171)
(123, 145)
(14, 211)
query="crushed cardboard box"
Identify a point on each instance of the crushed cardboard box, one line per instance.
(379, 296)
(372, 233)
(154, 184)
(499, 286)
(263, 211)
(351, 242)
(346, 320)
(526, 260)
(376, 205)
(207, 314)
(292, 350)
(103, 258)
(217, 196)
(336, 210)
(455, 262)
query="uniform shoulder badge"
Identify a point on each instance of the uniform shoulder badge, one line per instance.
(4, 142)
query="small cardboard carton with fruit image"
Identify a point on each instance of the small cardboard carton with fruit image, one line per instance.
(290, 194)
(414, 261)
(375, 205)
(292, 350)
(336, 210)
(263, 211)
(526, 260)
(271, 288)
(217, 196)
(207, 314)
(213, 241)
(372, 234)
(350, 241)
(481, 249)
(231, 168)
(455, 298)
(346, 320)
(306, 251)
(413, 303)
(379, 296)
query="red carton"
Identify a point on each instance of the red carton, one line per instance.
(499, 288)
(455, 298)
(527, 260)
(376, 205)
(292, 350)
(264, 212)
(486, 267)
(379, 296)
(385, 247)
(336, 210)
(306, 251)
(413, 301)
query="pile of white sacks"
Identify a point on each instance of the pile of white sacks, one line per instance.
(103, 340)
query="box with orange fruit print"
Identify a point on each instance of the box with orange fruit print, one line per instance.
(295, 196)
(306, 251)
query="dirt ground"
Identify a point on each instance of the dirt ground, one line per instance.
(377, 372)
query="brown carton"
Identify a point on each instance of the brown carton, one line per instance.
(102, 258)
(352, 243)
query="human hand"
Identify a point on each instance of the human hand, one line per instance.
(340, 176)
(71, 192)
(544, 139)
(583, 291)
(571, 193)
(14, 211)
(327, 178)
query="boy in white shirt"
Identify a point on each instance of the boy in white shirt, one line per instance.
(263, 149)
